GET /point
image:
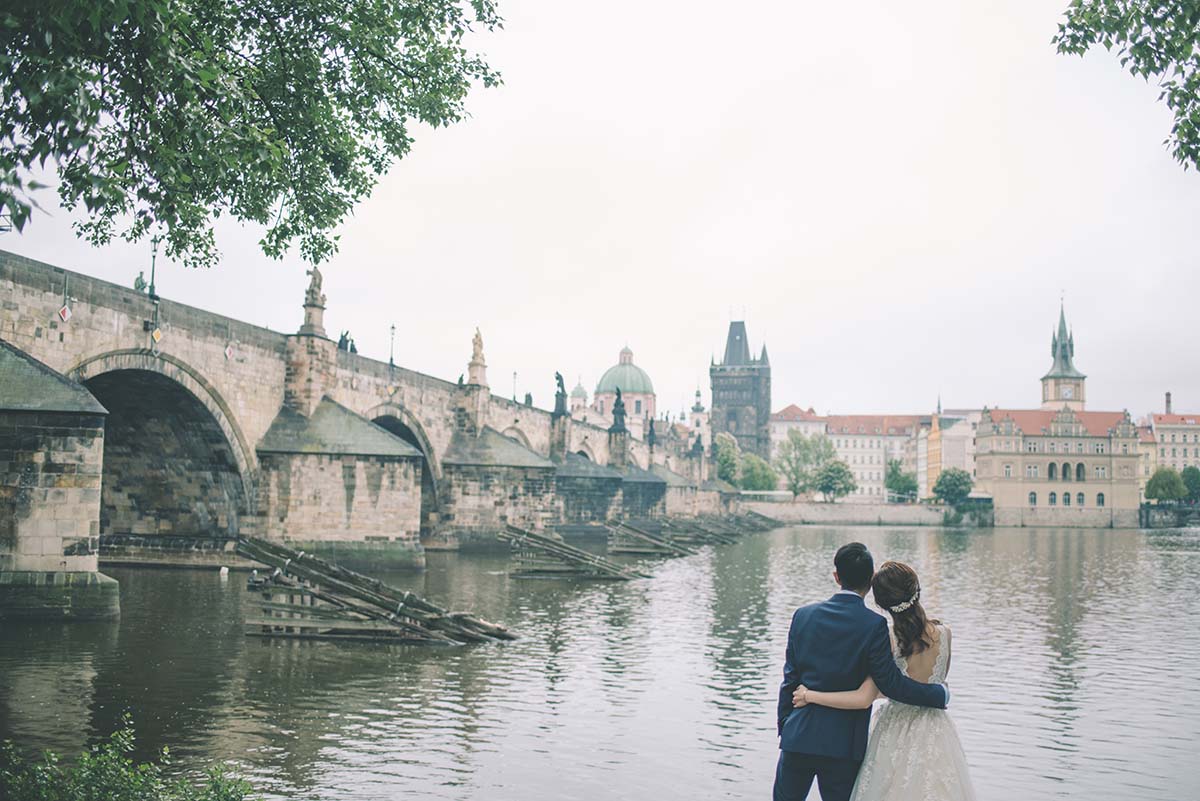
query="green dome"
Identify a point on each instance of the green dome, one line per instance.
(626, 375)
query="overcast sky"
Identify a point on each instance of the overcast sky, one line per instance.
(893, 195)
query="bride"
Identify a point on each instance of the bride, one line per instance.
(913, 753)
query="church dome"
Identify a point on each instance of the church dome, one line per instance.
(626, 375)
(579, 391)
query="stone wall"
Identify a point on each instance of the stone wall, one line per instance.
(587, 500)
(640, 499)
(358, 510)
(1072, 517)
(50, 467)
(849, 514)
(479, 500)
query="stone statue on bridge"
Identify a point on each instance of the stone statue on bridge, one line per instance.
(314, 297)
(477, 367)
(560, 396)
(618, 413)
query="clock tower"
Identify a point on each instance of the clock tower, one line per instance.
(1063, 385)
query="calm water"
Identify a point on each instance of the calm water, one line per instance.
(1074, 674)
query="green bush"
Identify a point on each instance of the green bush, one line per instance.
(105, 772)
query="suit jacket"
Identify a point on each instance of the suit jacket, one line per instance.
(833, 646)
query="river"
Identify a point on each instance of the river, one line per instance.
(1074, 674)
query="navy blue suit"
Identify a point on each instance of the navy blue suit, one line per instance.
(833, 646)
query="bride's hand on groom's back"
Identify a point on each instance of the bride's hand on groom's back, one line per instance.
(800, 697)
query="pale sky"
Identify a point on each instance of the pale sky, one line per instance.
(893, 195)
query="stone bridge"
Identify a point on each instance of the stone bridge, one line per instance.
(215, 427)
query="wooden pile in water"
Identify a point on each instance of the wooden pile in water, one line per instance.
(545, 556)
(309, 598)
(624, 537)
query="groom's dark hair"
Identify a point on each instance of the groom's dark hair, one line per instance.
(854, 566)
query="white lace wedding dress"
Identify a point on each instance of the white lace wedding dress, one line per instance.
(913, 753)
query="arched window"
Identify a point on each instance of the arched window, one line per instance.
(1054, 499)
(1079, 499)
(1099, 498)
(1052, 471)
(1033, 499)
(1066, 499)
(1080, 473)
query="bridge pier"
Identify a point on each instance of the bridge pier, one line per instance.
(51, 452)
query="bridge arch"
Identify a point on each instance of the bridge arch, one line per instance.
(400, 421)
(175, 460)
(585, 451)
(515, 433)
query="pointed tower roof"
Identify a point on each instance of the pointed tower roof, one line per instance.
(737, 347)
(762, 359)
(1062, 349)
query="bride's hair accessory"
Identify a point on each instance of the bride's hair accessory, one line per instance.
(898, 608)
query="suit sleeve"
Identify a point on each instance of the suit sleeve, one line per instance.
(791, 679)
(894, 684)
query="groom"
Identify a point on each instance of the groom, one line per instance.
(834, 645)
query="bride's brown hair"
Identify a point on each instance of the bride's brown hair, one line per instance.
(897, 590)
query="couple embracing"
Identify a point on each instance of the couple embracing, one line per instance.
(841, 656)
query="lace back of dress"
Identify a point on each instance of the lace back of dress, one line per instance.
(939, 653)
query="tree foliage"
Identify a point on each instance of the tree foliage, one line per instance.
(106, 772)
(161, 115)
(799, 458)
(729, 458)
(953, 486)
(1191, 481)
(834, 480)
(1166, 485)
(899, 483)
(1154, 39)
(757, 474)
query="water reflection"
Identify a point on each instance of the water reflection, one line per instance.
(1072, 674)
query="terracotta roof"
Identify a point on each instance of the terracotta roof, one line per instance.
(881, 424)
(794, 414)
(1176, 419)
(1145, 434)
(1035, 421)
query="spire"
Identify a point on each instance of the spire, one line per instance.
(763, 358)
(737, 349)
(1062, 350)
(939, 411)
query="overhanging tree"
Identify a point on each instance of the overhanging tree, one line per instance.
(1165, 485)
(1191, 481)
(1154, 39)
(159, 116)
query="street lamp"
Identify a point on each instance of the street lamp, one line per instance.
(392, 349)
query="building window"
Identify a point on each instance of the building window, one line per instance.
(1008, 471)
(1172, 438)
(1101, 472)
(1052, 471)
(1051, 447)
(1079, 499)
(1031, 446)
(1124, 447)
(637, 407)
(1066, 472)
(1080, 472)
(1066, 499)
(1099, 447)
(1033, 499)
(1079, 447)
(1054, 499)
(1100, 499)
